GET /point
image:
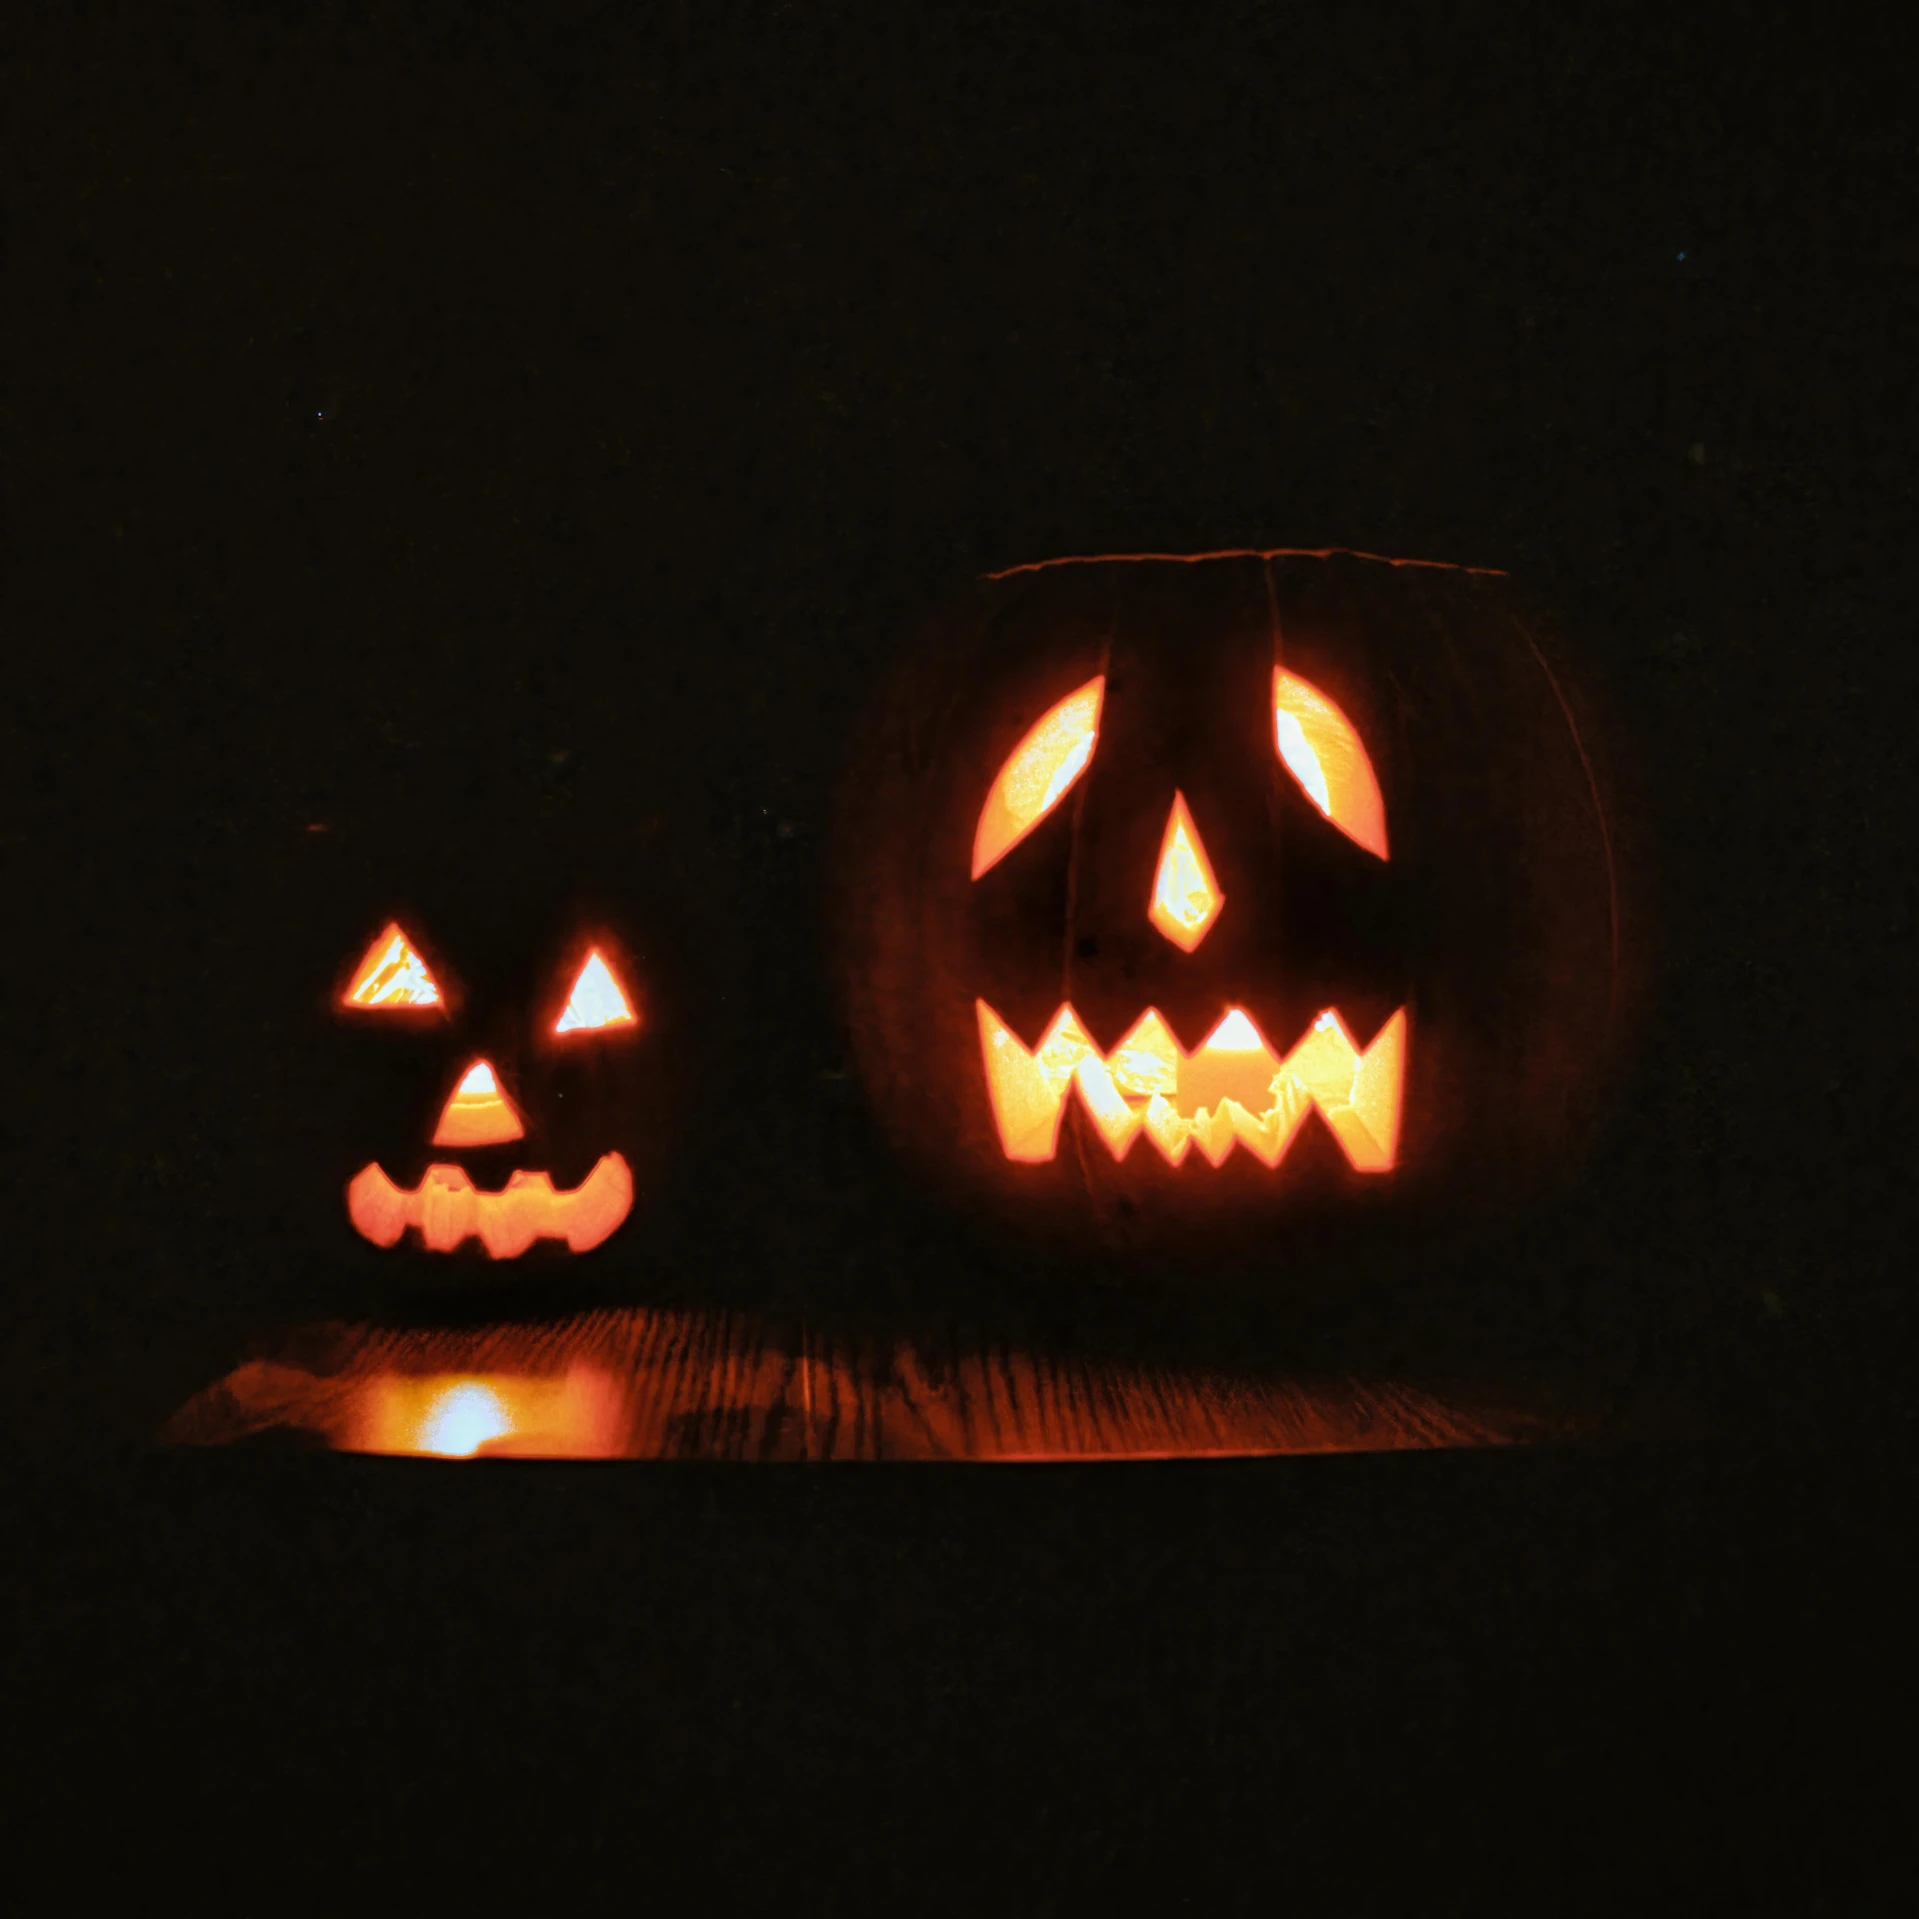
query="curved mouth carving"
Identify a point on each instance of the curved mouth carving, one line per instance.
(1233, 1091)
(448, 1208)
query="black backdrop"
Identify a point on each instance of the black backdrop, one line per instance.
(479, 441)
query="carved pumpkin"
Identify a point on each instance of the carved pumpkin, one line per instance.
(1189, 896)
(513, 1127)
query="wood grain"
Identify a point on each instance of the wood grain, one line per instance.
(715, 1386)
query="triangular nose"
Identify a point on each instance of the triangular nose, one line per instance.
(1186, 897)
(478, 1114)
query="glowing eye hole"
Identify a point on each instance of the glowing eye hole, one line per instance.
(1037, 774)
(392, 974)
(1186, 897)
(596, 1000)
(1322, 752)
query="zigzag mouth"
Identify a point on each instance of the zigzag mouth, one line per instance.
(1233, 1091)
(448, 1209)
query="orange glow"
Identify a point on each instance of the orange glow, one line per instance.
(478, 1113)
(449, 1209)
(1029, 1089)
(1322, 751)
(392, 974)
(596, 1000)
(463, 1419)
(1233, 1091)
(643, 1383)
(1038, 774)
(1186, 898)
(493, 1415)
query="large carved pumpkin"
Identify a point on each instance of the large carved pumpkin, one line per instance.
(1186, 899)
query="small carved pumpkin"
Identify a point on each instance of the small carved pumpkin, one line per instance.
(507, 1098)
(446, 1207)
(1182, 895)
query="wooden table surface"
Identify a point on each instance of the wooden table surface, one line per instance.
(651, 1384)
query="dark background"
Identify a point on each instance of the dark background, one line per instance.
(482, 442)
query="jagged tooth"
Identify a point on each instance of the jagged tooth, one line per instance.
(1147, 1060)
(1269, 1133)
(1116, 1121)
(512, 1219)
(509, 1221)
(1377, 1082)
(1169, 1129)
(1213, 1129)
(1294, 1104)
(377, 1207)
(1235, 1033)
(1255, 1131)
(596, 1207)
(445, 1208)
(1064, 1042)
(1233, 1062)
(1027, 1091)
(1357, 1093)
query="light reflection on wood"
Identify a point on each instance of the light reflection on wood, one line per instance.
(643, 1384)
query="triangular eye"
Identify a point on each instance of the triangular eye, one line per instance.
(392, 975)
(596, 1000)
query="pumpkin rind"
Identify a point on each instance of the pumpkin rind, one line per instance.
(1493, 923)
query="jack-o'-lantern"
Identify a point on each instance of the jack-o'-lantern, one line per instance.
(1185, 896)
(445, 1207)
(496, 1106)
